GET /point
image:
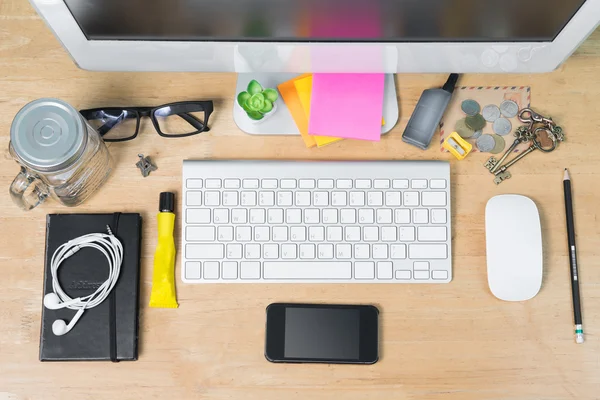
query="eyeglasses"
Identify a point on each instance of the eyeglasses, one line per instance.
(118, 124)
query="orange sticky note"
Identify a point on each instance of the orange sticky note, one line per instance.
(304, 89)
(292, 101)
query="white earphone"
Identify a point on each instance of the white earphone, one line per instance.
(112, 249)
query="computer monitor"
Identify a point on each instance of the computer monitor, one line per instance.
(321, 35)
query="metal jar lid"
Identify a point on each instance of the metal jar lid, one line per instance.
(48, 135)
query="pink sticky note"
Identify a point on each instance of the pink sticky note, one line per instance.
(347, 106)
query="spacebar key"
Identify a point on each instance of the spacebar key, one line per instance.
(307, 270)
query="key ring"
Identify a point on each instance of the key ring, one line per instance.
(528, 116)
(538, 145)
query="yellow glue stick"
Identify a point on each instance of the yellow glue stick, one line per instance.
(163, 277)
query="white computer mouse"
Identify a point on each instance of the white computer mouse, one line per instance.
(513, 237)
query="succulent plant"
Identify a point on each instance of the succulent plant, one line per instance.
(257, 101)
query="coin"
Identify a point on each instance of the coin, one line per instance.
(485, 143)
(470, 107)
(475, 122)
(509, 108)
(477, 134)
(491, 112)
(500, 144)
(462, 129)
(502, 126)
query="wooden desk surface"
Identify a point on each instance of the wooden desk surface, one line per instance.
(452, 341)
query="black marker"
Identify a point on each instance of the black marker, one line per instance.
(573, 259)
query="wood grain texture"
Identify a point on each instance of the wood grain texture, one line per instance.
(452, 341)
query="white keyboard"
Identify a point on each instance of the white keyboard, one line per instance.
(322, 221)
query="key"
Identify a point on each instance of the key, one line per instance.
(407, 233)
(307, 251)
(231, 183)
(221, 216)
(285, 199)
(211, 269)
(225, 233)
(280, 233)
(200, 233)
(347, 216)
(492, 164)
(338, 199)
(381, 184)
(431, 234)
(250, 270)
(400, 183)
(257, 216)
(402, 216)
(298, 233)
(375, 199)
(364, 270)
(366, 216)
(213, 184)
(212, 198)
(229, 270)
(398, 251)
(288, 184)
(418, 184)
(248, 198)
(388, 234)
(411, 199)
(197, 216)
(437, 183)
(194, 184)
(357, 198)
(250, 183)
(325, 251)
(438, 216)
(370, 234)
(243, 233)
(293, 216)
(205, 251)
(192, 270)
(193, 198)
(343, 251)
(352, 233)
(316, 233)
(439, 274)
(362, 184)
(306, 184)
(330, 216)
(334, 234)
(261, 234)
(325, 183)
(501, 177)
(500, 170)
(421, 275)
(239, 216)
(433, 199)
(275, 215)
(270, 251)
(266, 199)
(380, 251)
(393, 199)
(420, 216)
(384, 216)
(234, 251)
(252, 251)
(307, 270)
(361, 251)
(344, 183)
(421, 266)
(320, 199)
(268, 184)
(311, 216)
(303, 199)
(230, 199)
(428, 251)
(385, 270)
(288, 251)
(403, 275)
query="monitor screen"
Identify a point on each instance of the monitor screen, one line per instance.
(324, 20)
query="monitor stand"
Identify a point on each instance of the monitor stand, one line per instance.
(281, 122)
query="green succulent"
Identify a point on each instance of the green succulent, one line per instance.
(257, 101)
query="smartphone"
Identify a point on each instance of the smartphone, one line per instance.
(322, 333)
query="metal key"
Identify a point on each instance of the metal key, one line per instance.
(522, 135)
(535, 145)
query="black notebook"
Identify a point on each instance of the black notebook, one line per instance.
(108, 331)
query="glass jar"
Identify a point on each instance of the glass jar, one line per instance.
(60, 155)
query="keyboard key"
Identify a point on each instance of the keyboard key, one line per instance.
(427, 251)
(280, 233)
(384, 216)
(439, 274)
(194, 183)
(325, 183)
(343, 183)
(199, 215)
(407, 233)
(403, 275)
(437, 183)
(334, 234)
(433, 199)
(375, 199)
(361, 251)
(306, 184)
(362, 184)
(431, 234)
(385, 270)
(252, 251)
(266, 199)
(231, 183)
(343, 251)
(388, 234)
(352, 234)
(400, 183)
(418, 184)
(248, 199)
(213, 184)
(307, 251)
(364, 270)
(262, 234)
(402, 216)
(325, 251)
(370, 233)
(288, 251)
(243, 233)
(411, 199)
(285, 199)
(230, 199)
(250, 183)
(225, 233)
(438, 216)
(211, 198)
(307, 270)
(229, 270)
(330, 216)
(268, 184)
(320, 199)
(221, 216)
(421, 275)
(271, 251)
(293, 216)
(288, 184)
(275, 216)
(393, 199)
(357, 199)
(250, 270)
(234, 251)
(257, 216)
(380, 251)
(348, 216)
(421, 266)
(205, 251)
(311, 216)
(303, 199)
(193, 198)
(211, 270)
(420, 216)
(366, 216)
(398, 251)
(192, 270)
(316, 234)
(298, 233)
(338, 199)
(239, 216)
(381, 184)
